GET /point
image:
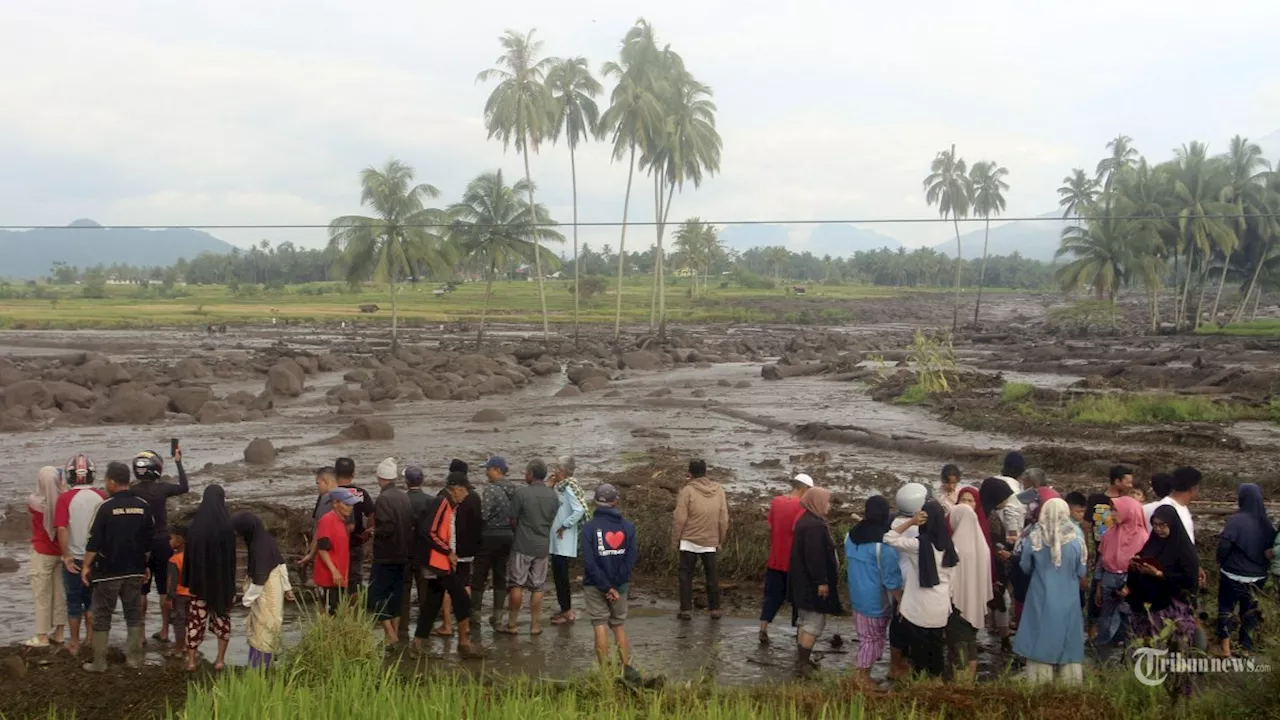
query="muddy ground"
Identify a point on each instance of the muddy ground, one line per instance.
(631, 415)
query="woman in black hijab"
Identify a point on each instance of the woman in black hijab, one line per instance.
(993, 493)
(1162, 581)
(209, 572)
(926, 597)
(268, 588)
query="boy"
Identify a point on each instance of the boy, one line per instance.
(177, 596)
(609, 556)
(1079, 504)
(333, 547)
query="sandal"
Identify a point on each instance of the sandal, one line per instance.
(36, 642)
(441, 632)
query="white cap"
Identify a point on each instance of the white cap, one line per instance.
(387, 469)
(804, 480)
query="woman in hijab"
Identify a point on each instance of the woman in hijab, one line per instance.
(1163, 578)
(874, 574)
(926, 596)
(993, 495)
(970, 589)
(813, 580)
(1242, 557)
(1120, 543)
(1051, 635)
(268, 588)
(46, 561)
(209, 572)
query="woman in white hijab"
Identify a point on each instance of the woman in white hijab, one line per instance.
(46, 560)
(970, 590)
(1051, 634)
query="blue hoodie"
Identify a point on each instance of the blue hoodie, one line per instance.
(609, 550)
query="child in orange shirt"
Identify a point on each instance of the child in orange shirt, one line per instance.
(179, 597)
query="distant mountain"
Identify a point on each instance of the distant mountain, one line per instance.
(1037, 240)
(85, 243)
(844, 240)
(834, 240)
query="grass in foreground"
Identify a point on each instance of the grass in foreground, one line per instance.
(1257, 328)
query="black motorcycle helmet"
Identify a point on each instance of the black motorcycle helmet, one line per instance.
(148, 466)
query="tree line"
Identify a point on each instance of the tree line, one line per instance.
(1190, 223)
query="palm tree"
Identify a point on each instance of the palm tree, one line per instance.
(776, 257)
(1102, 251)
(1123, 157)
(1078, 193)
(634, 113)
(1198, 184)
(699, 243)
(1246, 174)
(948, 187)
(987, 179)
(573, 91)
(492, 226)
(1142, 193)
(521, 110)
(397, 239)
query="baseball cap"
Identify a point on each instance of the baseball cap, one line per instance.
(497, 462)
(413, 475)
(346, 496)
(804, 480)
(387, 469)
(606, 494)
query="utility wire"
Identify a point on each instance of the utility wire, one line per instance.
(637, 223)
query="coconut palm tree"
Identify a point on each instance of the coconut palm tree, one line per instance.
(1123, 157)
(699, 244)
(948, 187)
(1102, 255)
(1142, 193)
(400, 236)
(492, 226)
(987, 179)
(1246, 190)
(1078, 193)
(573, 92)
(1198, 184)
(520, 110)
(776, 257)
(631, 120)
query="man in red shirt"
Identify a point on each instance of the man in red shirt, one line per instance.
(333, 547)
(783, 513)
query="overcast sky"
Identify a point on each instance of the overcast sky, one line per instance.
(164, 113)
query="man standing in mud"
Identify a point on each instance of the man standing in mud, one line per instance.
(148, 468)
(393, 532)
(361, 521)
(115, 562)
(783, 512)
(533, 512)
(495, 540)
(700, 528)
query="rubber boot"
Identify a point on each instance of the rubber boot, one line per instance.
(804, 667)
(99, 664)
(133, 647)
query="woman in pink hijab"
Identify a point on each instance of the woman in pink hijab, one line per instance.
(1122, 541)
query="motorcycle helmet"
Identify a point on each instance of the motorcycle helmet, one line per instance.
(911, 498)
(147, 466)
(79, 470)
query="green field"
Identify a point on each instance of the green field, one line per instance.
(513, 301)
(1257, 328)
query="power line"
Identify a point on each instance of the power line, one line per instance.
(637, 223)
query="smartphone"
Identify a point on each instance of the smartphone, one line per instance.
(173, 447)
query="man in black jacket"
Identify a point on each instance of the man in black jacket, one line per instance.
(419, 503)
(115, 562)
(148, 468)
(392, 534)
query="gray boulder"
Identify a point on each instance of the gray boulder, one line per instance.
(260, 452)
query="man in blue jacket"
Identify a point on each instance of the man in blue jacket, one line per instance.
(609, 556)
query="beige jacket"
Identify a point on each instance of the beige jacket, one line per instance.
(702, 514)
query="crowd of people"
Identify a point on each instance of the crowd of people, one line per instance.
(1046, 574)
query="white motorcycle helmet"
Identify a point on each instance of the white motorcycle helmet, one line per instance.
(911, 499)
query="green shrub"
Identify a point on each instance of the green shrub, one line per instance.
(747, 279)
(1015, 392)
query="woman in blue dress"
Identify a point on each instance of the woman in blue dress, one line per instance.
(1051, 634)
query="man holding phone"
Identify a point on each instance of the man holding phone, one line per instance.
(148, 467)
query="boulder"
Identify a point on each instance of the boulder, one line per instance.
(28, 393)
(545, 367)
(104, 374)
(264, 402)
(384, 405)
(411, 393)
(579, 373)
(189, 400)
(65, 393)
(309, 364)
(595, 382)
(330, 362)
(188, 369)
(354, 409)
(569, 391)
(498, 384)
(369, 429)
(660, 392)
(260, 452)
(214, 413)
(9, 374)
(742, 384)
(356, 376)
(254, 416)
(281, 381)
(8, 565)
(489, 415)
(292, 366)
(724, 383)
(436, 391)
(640, 360)
(613, 394)
(136, 408)
(240, 398)
(385, 378)
(699, 393)
(465, 393)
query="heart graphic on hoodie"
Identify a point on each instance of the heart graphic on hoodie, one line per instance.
(614, 539)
